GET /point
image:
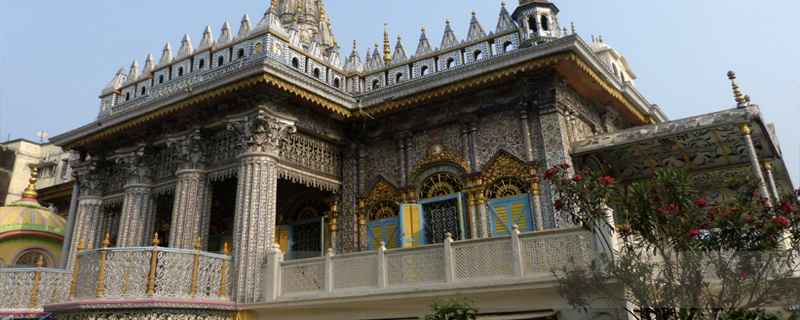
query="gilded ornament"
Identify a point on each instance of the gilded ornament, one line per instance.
(442, 156)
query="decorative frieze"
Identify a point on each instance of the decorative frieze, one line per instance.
(262, 131)
(311, 154)
(190, 150)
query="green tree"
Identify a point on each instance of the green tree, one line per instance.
(677, 257)
(455, 308)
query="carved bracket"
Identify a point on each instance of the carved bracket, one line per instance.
(191, 150)
(135, 165)
(90, 178)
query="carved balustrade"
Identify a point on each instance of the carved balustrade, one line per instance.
(26, 290)
(140, 273)
(511, 257)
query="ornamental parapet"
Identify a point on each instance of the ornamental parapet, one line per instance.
(452, 265)
(153, 277)
(25, 291)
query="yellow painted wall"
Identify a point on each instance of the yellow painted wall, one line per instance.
(9, 249)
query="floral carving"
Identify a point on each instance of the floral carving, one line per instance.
(262, 132)
(135, 166)
(191, 150)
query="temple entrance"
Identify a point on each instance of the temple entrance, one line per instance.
(301, 227)
(164, 204)
(223, 211)
(441, 210)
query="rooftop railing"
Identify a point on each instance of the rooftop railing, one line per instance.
(513, 256)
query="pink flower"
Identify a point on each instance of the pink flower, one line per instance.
(584, 172)
(725, 213)
(564, 165)
(693, 233)
(701, 203)
(744, 275)
(782, 221)
(671, 207)
(583, 270)
(750, 220)
(712, 214)
(607, 180)
(577, 178)
(558, 204)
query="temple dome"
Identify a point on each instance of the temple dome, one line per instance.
(27, 217)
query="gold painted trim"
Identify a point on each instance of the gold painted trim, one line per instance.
(644, 155)
(613, 92)
(721, 145)
(444, 156)
(683, 152)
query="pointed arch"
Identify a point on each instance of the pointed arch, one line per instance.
(504, 164)
(382, 189)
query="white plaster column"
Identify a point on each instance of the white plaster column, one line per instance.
(771, 179)
(190, 209)
(138, 204)
(260, 133)
(88, 214)
(744, 129)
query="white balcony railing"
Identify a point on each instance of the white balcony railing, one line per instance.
(24, 290)
(150, 272)
(515, 255)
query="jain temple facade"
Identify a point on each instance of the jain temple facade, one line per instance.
(260, 175)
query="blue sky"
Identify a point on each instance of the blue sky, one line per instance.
(56, 56)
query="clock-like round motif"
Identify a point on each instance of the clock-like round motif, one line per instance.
(435, 149)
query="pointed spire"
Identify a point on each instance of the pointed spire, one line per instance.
(736, 93)
(166, 56)
(245, 28)
(271, 21)
(148, 66)
(376, 62)
(30, 191)
(208, 39)
(424, 48)
(505, 22)
(400, 54)
(354, 62)
(476, 31)
(117, 82)
(386, 48)
(225, 37)
(186, 47)
(449, 39)
(134, 74)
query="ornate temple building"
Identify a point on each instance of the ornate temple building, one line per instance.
(259, 175)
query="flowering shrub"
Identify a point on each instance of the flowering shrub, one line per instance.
(677, 256)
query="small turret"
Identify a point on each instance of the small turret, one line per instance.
(117, 82)
(334, 59)
(354, 62)
(244, 29)
(504, 23)
(537, 21)
(186, 47)
(208, 39)
(476, 31)
(166, 56)
(270, 21)
(424, 48)
(294, 35)
(315, 49)
(148, 66)
(449, 39)
(400, 54)
(225, 37)
(376, 62)
(134, 74)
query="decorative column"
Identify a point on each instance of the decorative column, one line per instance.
(535, 198)
(526, 132)
(401, 147)
(771, 180)
(554, 135)
(260, 134)
(744, 129)
(191, 209)
(90, 201)
(138, 204)
(466, 150)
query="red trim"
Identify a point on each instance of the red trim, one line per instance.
(35, 233)
(142, 301)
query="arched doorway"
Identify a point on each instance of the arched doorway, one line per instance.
(509, 206)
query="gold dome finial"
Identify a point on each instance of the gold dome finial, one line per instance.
(354, 44)
(473, 12)
(398, 37)
(447, 21)
(41, 262)
(155, 239)
(314, 31)
(503, 3)
(30, 191)
(299, 7)
(386, 48)
(736, 93)
(572, 24)
(197, 245)
(105, 242)
(274, 5)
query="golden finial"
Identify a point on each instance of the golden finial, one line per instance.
(155, 239)
(224, 248)
(573, 27)
(294, 19)
(90, 247)
(197, 245)
(473, 13)
(321, 15)
(565, 31)
(299, 7)
(80, 245)
(329, 27)
(41, 262)
(423, 29)
(386, 48)
(354, 44)
(555, 18)
(747, 98)
(398, 38)
(503, 3)
(30, 191)
(105, 242)
(736, 93)
(447, 21)
(314, 30)
(274, 5)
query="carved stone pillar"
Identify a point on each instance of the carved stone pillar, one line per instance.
(90, 201)
(138, 205)
(254, 228)
(466, 150)
(556, 151)
(771, 179)
(534, 197)
(744, 129)
(526, 133)
(191, 209)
